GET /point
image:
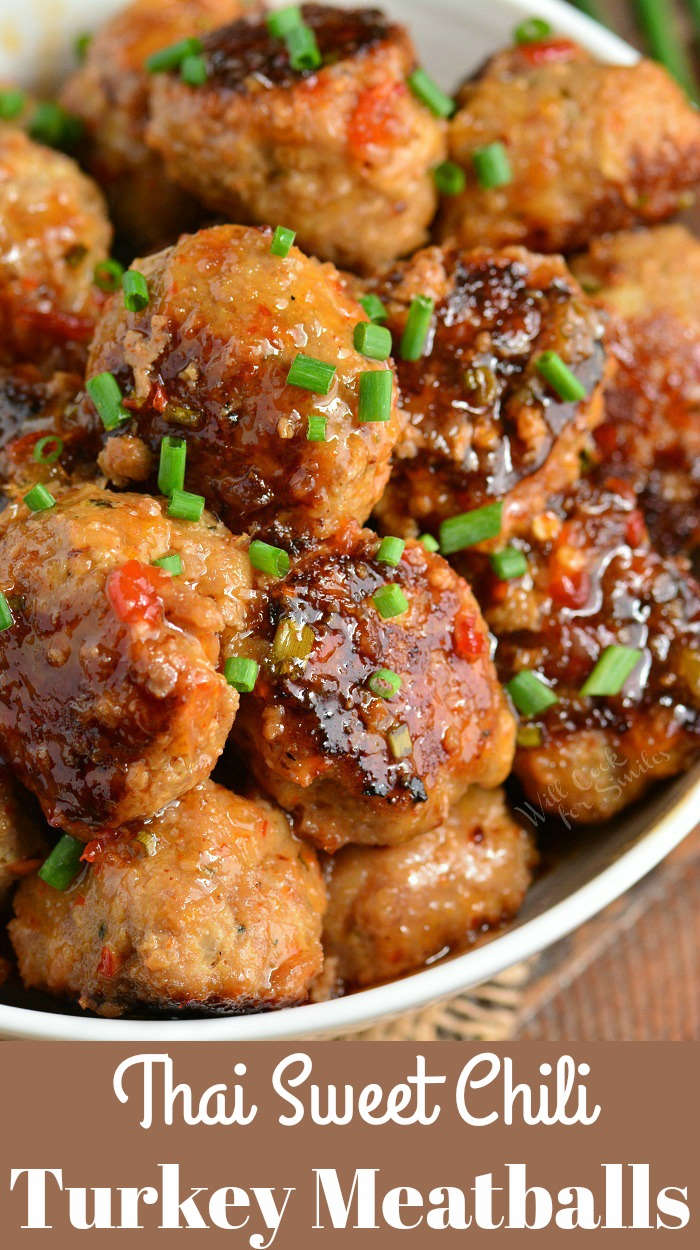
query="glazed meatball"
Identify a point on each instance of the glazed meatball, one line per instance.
(590, 148)
(593, 581)
(216, 904)
(111, 702)
(483, 424)
(648, 282)
(110, 91)
(342, 154)
(53, 230)
(355, 759)
(208, 360)
(392, 908)
(22, 844)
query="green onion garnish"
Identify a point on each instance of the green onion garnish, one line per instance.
(508, 563)
(6, 617)
(374, 307)
(529, 693)
(611, 671)
(390, 600)
(372, 340)
(430, 543)
(268, 559)
(173, 56)
(193, 70)
(311, 374)
(135, 290)
(283, 20)
(468, 528)
(390, 550)
(663, 39)
(302, 48)
(185, 506)
(385, 683)
(528, 736)
(282, 240)
(292, 641)
(316, 428)
(450, 179)
(81, 45)
(532, 30)
(241, 673)
(400, 743)
(107, 275)
(39, 499)
(417, 327)
(560, 378)
(54, 127)
(374, 403)
(171, 469)
(47, 457)
(107, 398)
(12, 102)
(148, 841)
(492, 166)
(171, 564)
(62, 866)
(428, 92)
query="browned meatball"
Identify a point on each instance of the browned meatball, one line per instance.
(110, 91)
(111, 703)
(208, 360)
(216, 904)
(22, 844)
(53, 230)
(351, 764)
(343, 154)
(392, 908)
(483, 424)
(648, 282)
(591, 147)
(592, 582)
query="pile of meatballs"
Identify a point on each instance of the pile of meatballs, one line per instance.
(350, 465)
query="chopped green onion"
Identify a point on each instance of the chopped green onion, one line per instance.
(492, 166)
(302, 48)
(390, 600)
(384, 683)
(173, 56)
(135, 291)
(81, 45)
(374, 307)
(390, 550)
(468, 528)
(6, 617)
(316, 428)
(107, 275)
(241, 673)
(428, 92)
(528, 736)
(529, 693)
(185, 506)
(611, 671)
(63, 865)
(450, 179)
(282, 240)
(372, 340)
(430, 543)
(148, 841)
(193, 70)
(12, 102)
(532, 30)
(54, 127)
(171, 469)
(107, 398)
(400, 743)
(417, 327)
(283, 20)
(171, 564)
(560, 378)
(508, 563)
(268, 559)
(39, 499)
(292, 641)
(311, 374)
(49, 457)
(376, 389)
(661, 32)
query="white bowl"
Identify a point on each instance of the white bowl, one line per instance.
(452, 36)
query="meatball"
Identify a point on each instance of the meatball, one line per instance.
(392, 908)
(342, 154)
(53, 230)
(215, 904)
(110, 92)
(648, 282)
(329, 735)
(22, 845)
(483, 424)
(208, 360)
(590, 148)
(111, 704)
(592, 582)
